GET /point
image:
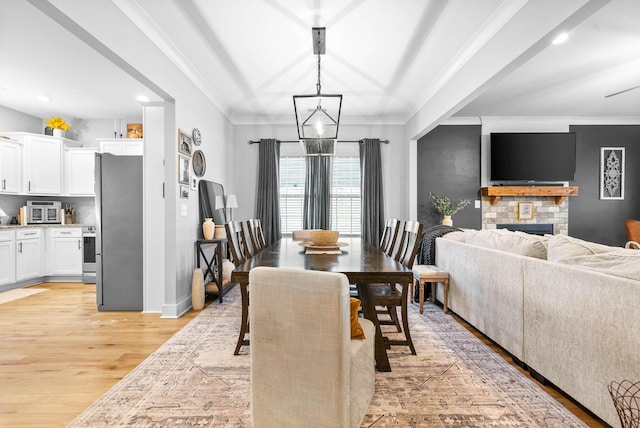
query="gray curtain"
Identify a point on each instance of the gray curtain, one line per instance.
(317, 184)
(372, 193)
(268, 194)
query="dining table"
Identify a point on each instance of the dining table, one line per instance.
(362, 262)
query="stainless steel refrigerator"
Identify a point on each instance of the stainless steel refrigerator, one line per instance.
(118, 185)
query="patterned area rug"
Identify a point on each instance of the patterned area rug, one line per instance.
(454, 381)
(19, 293)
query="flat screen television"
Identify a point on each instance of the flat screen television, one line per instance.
(533, 157)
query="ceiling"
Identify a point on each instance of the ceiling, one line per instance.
(389, 59)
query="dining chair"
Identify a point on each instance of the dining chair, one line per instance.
(392, 296)
(237, 241)
(256, 237)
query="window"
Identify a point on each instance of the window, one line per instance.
(345, 195)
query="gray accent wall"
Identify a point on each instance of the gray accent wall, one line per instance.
(590, 217)
(449, 164)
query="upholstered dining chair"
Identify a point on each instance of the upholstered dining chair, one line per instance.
(256, 237)
(633, 233)
(393, 296)
(307, 368)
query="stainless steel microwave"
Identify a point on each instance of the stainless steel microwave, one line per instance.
(41, 212)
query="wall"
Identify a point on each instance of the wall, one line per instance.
(591, 217)
(12, 120)
(588, 217)
(448, 164)
(245, 160)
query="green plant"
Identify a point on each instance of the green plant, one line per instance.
(445, 206)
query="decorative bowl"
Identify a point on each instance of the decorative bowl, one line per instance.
(324, 238)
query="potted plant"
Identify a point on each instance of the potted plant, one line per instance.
(446, 207)
(58, 125)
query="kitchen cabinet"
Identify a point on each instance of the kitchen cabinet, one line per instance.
(7, 257)
(64, 251)
(122, 146)
(79, 167)
(29, 253)
(10, 166)
(43, 161)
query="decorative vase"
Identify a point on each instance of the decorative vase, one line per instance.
(446, 221)
(208, 228)
(221, 232)
(197, 290)
(57, 132)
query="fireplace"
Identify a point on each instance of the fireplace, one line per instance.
(534, 229)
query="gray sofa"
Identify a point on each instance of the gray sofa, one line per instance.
(566, 308)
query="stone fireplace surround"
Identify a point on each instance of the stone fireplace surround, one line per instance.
(545, 211)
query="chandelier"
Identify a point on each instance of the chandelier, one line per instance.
(317, 115)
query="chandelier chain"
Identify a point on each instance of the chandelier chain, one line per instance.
(318, 84)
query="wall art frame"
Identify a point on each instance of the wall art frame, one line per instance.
(184, 169)
(612, 172)
(525, 210)
(184, 191)
(184, 143)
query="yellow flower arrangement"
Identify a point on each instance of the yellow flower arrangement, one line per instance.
(58, 123)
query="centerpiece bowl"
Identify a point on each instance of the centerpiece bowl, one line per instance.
(324, 238)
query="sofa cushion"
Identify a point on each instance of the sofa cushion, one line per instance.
(622, 262)
(562, 247)
(458, 235)
(356, 328)
(520, 243)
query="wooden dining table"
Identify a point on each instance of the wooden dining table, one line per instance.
(363, 263)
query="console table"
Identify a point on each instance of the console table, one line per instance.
(216, 258)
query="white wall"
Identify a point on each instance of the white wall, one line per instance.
(12, 120)
(395, 161)
(192, 110)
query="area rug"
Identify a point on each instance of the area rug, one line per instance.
(455, 380)
(19, 293)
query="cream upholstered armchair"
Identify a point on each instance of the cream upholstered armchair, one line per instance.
(306, 370)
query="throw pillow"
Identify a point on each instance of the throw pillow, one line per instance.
(563, 247)
(356, 328)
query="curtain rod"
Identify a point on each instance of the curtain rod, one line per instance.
(339, 141)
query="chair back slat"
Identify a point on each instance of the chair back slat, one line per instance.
(389, 236)
(256, 236)
(409, 243)
(237, 242)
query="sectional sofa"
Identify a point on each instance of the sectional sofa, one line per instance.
(567, 309)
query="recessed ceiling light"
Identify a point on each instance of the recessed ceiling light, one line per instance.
(561, 38)
(142, 99)
(43, 98)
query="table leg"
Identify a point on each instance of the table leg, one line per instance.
(369, 312)
(244, 324)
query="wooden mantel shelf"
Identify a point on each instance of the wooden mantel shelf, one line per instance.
(557, 192)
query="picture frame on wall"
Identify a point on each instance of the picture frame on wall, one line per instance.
(525, 210)
(184, 143)
(194, 183)
(612, 170)
(184, 170)
(184, 191)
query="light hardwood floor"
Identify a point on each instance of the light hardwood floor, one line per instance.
(58, 354)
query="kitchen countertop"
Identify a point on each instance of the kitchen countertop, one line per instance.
(18, 226)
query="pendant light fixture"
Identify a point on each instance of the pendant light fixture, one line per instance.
(318, 115)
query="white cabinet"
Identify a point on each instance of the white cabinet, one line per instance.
(29, 253)
(64, 251)
(79, 167)
(10, 166)
(7, 257)
(43, 162)
(122, 146)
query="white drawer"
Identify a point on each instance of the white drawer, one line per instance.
(7, 235)
(28, 233)
(66, 232)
